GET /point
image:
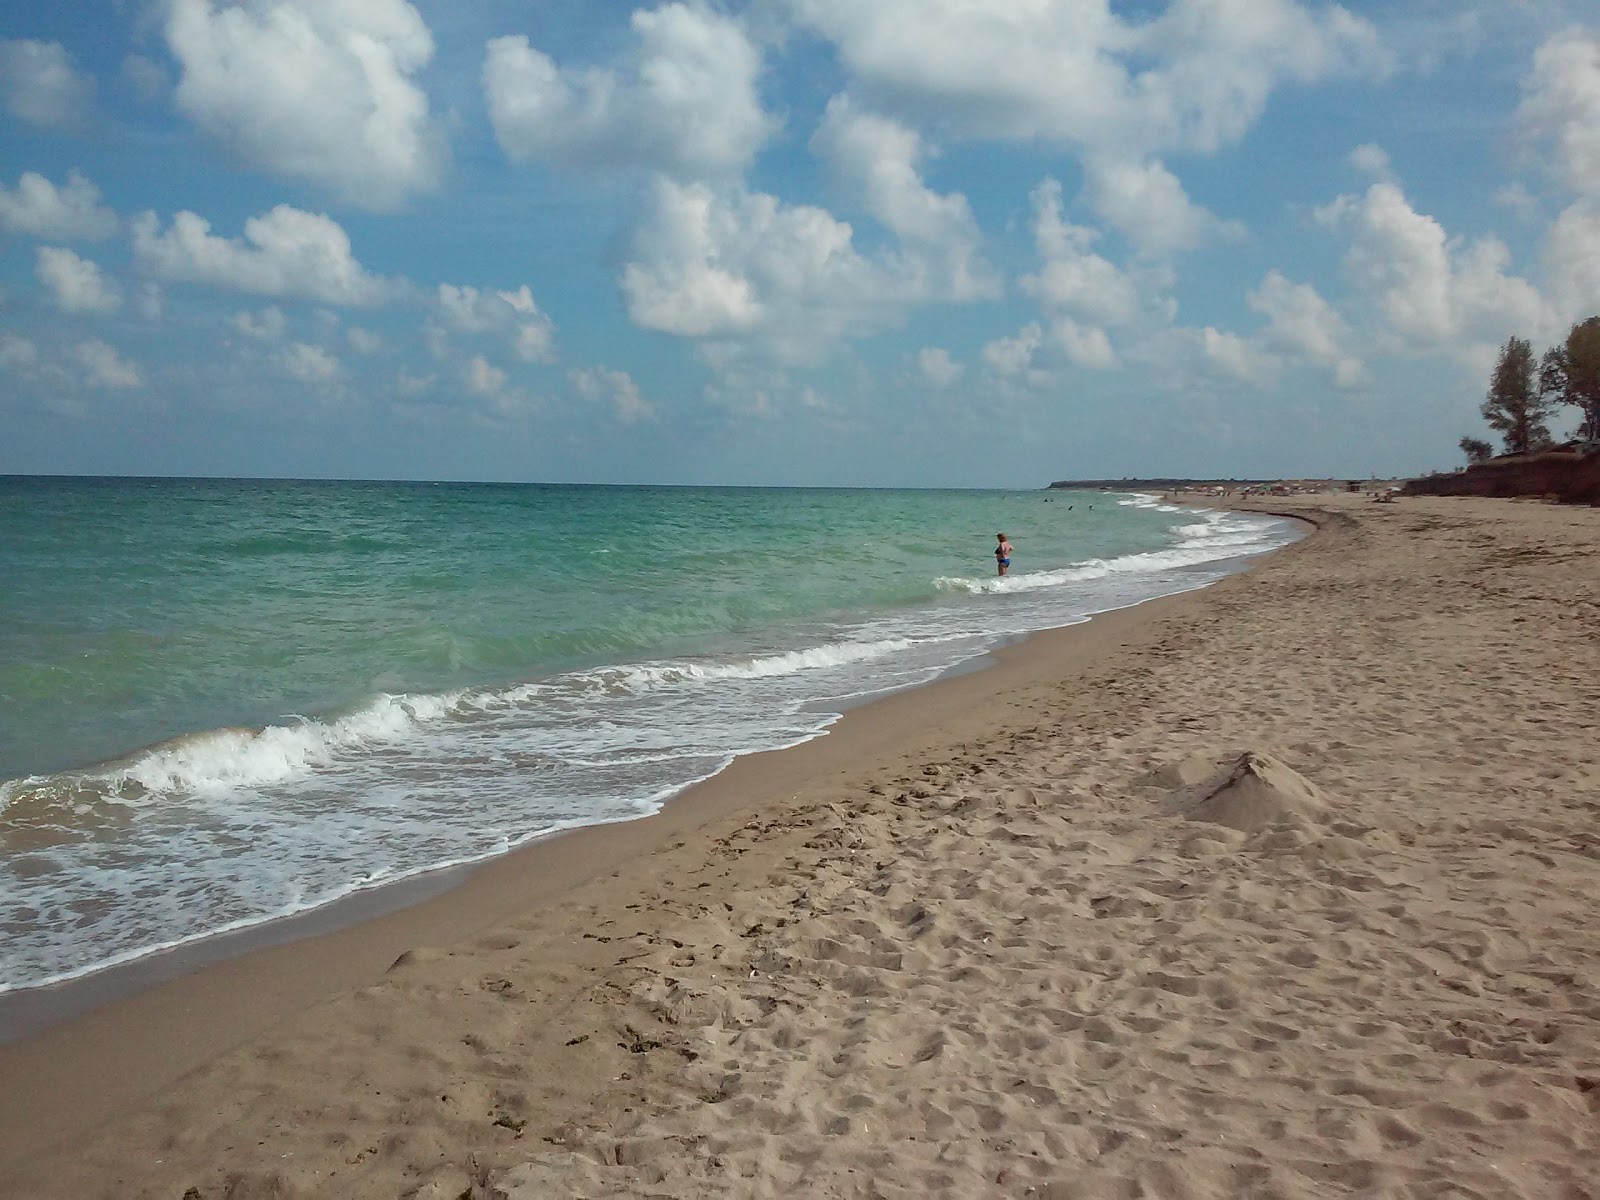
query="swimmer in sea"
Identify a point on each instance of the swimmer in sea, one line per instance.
(1002, 554)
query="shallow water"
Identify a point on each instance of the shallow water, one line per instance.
(225, 701)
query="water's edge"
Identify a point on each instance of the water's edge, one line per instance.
(29, 1010)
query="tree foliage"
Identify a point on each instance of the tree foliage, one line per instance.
(1515, 407)
(1476, 449)
(1570, 374)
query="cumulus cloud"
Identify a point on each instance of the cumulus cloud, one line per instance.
(512, 314)
(363, 341)
(1083, 345)
(268, 325)
(879, 159)
(1072, 278)
(1370, 159)
(103, 367)
(1572, 266)
(1194, 78)
(484, 379)
(1561, 104)
(1148, 205)
(1303, 324)
(1236, 356)
(1433, 292)
(937, 367)
(685, 102)
(734, 264)
(17, 353)
(285, 252)
(312, 90)
(75, 284)
(308, 363)
(709, 265)
(628, 405)
(1012, 357)
(40, 85)
(40, 209)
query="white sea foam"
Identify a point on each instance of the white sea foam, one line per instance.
(235, 826)
(1217, 536)
(233, 757)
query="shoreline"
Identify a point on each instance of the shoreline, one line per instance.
(1284, 886)
(249, 979)
(27, 1011)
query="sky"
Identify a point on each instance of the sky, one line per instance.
(934, 243)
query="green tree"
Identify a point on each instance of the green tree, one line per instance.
(1476, 449)
(1570, 374)
(1515, 408)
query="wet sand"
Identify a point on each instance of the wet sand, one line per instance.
(1285, 887)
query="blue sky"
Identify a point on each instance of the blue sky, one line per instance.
(911, 242)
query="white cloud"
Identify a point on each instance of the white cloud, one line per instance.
(512, 314)
(1433, 292)
(878, 157)
(1083, 345)
(1572, 266)
(308, 363)
(363, 341)
(268, 325)
(1072, 278)
(736, 264)
(685, 104)
(534, 341)
(1013, 356)
(1194, 78)
(41, 86)
(1236, 356)
(937, 367)
(484, 379)
(17, 353)
(315, 90)
(1561, 103)
(104, 367)
(1147, 203)
(628, 405)
(285, 252)
(1302, 323)
(75, 284)
(1371, 159)
(410, 385)
(40, 209)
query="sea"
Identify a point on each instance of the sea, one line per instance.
(223, 701)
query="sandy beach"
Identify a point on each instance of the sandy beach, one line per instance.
(1289, 887)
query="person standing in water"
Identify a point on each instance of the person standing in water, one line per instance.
(1002, 554)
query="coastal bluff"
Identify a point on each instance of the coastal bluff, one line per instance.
(1568, 474)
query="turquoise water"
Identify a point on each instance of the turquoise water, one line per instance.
(223, 701)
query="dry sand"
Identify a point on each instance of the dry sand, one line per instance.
(1287, 888)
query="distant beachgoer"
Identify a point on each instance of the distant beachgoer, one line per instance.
(1002, 553)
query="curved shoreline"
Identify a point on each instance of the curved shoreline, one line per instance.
(116, 1025)
(129, 943)
(30, 1009)
(985, 939)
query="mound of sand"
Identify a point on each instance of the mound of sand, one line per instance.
(1252, 791)
(1186, 772)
